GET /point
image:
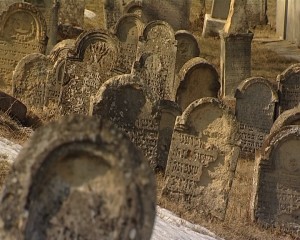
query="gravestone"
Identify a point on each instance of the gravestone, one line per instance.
(61, 49)
(88, 66)
(79, 178)
(4, 4)
(198, 79)
(202, 158)
(255, 111)
(288, 117)
(113, 12)
(257, 12)
(275, 199)
(235, 62)
(187, 48)
(289, 88)
(22, 31)
(128, 30)
(71, 12)
(159, 38)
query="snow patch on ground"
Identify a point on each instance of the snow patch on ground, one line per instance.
(89, 14)
(8, 150)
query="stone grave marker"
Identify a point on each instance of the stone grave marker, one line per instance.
(159, 38)
(257, 12)
(4, 4)
(255, 111)
(275, 200)
(128, 30)
(88, 66)
(79, 178)
(61, 49)
(289, 88)
(71, 12)
(22, 31)
(113, 12)
(187, 48)
(288, 117)
(202, 158)
(198, 79)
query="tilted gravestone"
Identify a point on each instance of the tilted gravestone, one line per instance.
(22, 31)
(202, 158)
(275, 199)
(88, 66)
(288, 117)
(159, 38)
(289, 88)
(79, 178)
(126, 101)
(187, 48)
(128, 31)
(255, 111)
(198, 79)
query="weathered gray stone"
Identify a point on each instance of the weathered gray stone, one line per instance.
(71, 12)
(198, 79)
(255, 111)
(275, 200)
(256, 12)
(202, 158)
(220, 9)
(61, 49)
(212, 26)
(79, 178)
(288, 117)
(289, 88)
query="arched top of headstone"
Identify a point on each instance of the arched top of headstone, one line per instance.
(168, 106)
(89, 37)
(249, 82)
(186, 34)
(159, 29)
(128, 18)
(70, 160)
(196, 63)
(132, 5)
(288, 117)
(290, 71)
(23, 22)
(61, 49)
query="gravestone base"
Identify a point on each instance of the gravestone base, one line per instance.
(235, 62)
(212, 26)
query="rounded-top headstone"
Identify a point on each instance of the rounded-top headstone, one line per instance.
(79, 178)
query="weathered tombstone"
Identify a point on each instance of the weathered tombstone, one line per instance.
(257, 12)
(22, 31)
(235, 63)
(198, 79)
(289, 88)
(79, 178)
(202, 158)
(61, 49)
(255, 111)
(4, 4)
(126, 101)
(275, 200)
(71, 12)
(288, 117)
(159, 38)
(88, 66)
(187, 48)
(113, 12)
(128, 30)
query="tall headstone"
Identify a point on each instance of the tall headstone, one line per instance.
(159, 38)
(79, 178)
(255, 111)
(275, 200)
(289, 88)
(287, 118)
(202, 158)
(198, 79)
(187, 48)
(22, 31)
(235, 62)
(87, 67)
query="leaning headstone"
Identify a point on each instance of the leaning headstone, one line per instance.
(187, 48)
(128, 30)
(198, 79)
(202, 158)
(22, 31)
(87, 67)
(275, 201)
(159, 38)
(255, 111)
(289, 88)
(288, 117)
(235, 63)
(79, 178)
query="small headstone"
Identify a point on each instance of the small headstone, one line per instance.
(255, 111)
(275, 200)
(289, 88)
(198, 79)
(79, 178)
(202, 158)
(288, 117)
(187, 48)
(87, 67)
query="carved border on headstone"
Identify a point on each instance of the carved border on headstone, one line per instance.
(124, 18)
(61, 49)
